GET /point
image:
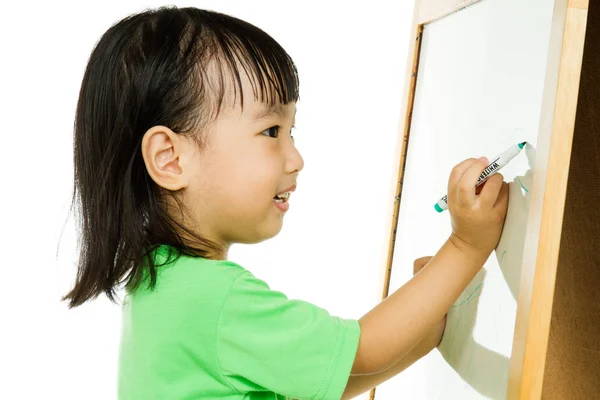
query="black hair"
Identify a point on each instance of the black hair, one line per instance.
(162, 66)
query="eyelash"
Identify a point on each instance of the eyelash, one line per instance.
(278, 127)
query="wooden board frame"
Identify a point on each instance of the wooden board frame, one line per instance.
(555, 136)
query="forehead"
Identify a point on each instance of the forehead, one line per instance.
(253, 106)
(263, 110)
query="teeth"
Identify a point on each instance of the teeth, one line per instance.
(283, 195)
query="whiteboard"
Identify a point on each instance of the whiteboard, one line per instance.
(479, 90)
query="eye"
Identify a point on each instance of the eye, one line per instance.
(272, 130)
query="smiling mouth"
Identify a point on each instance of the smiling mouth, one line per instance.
(282, 198)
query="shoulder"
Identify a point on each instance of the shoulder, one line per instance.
(182, 275)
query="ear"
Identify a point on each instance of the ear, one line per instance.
(163, 152)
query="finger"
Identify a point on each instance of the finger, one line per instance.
(455, 177)
(460, 168)
(478, 188)
(420, 263)
(466, 185)
(490, 191)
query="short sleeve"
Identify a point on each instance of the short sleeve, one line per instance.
(267, 342)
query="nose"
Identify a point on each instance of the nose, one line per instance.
(295, 162)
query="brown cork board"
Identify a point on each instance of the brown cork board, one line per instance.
(573, 356)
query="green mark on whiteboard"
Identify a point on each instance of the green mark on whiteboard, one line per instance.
(469, 297)
(521, 183)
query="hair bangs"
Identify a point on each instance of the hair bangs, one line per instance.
(271, 71)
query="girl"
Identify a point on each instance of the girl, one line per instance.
(182, 147)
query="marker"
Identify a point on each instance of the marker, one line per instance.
(494, 166)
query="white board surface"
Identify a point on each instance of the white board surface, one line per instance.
(479, 90)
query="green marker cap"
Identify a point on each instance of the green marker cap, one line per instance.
(438, 208)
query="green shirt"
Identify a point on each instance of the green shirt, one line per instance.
(211, 330)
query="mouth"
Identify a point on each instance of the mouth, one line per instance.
(282, 198)
(281, 201)
(288, 190)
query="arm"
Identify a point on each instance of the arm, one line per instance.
(414, 309)
(397, 324)
(358, 384)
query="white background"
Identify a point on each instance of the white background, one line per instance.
(351, 58)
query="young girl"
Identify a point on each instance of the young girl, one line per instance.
(182, 147)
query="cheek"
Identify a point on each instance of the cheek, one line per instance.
(261, 181)
(241, 183)
(239, 194)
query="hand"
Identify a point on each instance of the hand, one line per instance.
(437, 333)
(420, 263)
(477, 219)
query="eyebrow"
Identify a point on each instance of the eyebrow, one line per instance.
(265, 112)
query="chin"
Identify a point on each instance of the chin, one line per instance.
(274, 229)
(263, 234)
